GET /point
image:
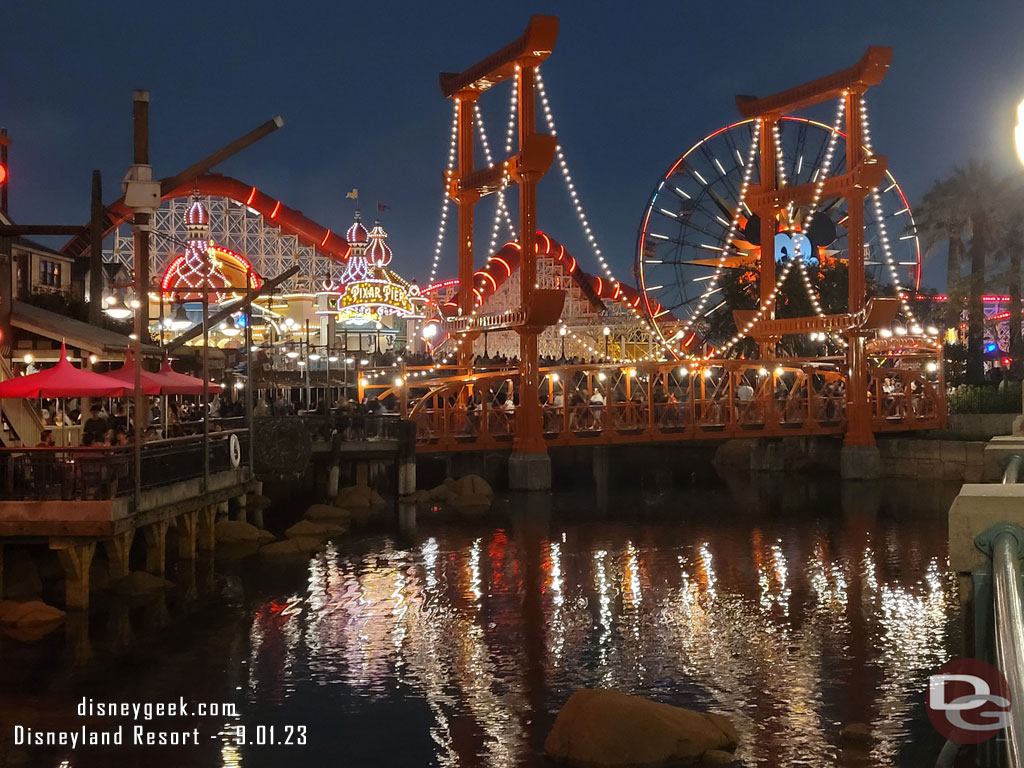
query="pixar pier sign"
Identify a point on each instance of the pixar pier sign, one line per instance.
(377, 297)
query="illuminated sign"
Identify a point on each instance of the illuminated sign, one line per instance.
(377, 297)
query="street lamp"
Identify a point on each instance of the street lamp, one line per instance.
(561, 332)
(607, 332)
(1018, 132)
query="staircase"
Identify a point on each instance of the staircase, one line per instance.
(25, 423)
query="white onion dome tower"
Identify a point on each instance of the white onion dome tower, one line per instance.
(378, 252)
(357, 236)
(197, 221)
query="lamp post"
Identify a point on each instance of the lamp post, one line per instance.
(561, 332)
(607, 333)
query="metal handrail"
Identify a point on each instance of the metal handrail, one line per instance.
(1009, 620)
(1013, 469)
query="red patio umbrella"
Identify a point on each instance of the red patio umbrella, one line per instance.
(63, 380)
(152, 384)
(174, 383)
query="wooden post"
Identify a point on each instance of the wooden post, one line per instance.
(156, 547)
(76, 560)
(207, 518)
(118, 550)
(186, 527)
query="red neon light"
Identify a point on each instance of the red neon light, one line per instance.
(508, 267)
(276, 210)
(489, 277)
(599, 287)
(252, 196)
(324, 241)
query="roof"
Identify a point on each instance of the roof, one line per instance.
(24, 242)
(74, 332)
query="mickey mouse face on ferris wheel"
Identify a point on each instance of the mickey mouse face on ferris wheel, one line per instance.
(788, 244)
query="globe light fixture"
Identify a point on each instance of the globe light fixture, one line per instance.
(179, 320)
(228, 327)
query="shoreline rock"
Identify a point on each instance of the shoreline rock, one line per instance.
(608, 729)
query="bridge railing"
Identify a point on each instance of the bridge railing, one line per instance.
(665, 401)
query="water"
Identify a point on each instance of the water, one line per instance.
(792, 606)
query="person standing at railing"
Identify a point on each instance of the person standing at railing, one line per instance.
(45, 439)
(95, 426)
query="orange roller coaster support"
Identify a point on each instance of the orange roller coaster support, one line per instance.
(518, 60)
(850, 84)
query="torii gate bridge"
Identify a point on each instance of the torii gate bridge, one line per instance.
(883, 382)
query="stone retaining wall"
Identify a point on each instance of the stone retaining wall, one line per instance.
(982, 425)
(946, 459)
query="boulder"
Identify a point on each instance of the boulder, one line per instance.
(139, 583)
(358, 496)
(442, 494)
(421, 496)
(291, 548)
(13, 613)
(21, 580)
(327, 512)
(472, 485)
(856, 733)
(608, 729)
(256, 502)
(235, 532)
(311, 529)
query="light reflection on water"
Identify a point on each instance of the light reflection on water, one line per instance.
(791, 623)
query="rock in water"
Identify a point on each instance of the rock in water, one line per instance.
(25, 614)
(473, 485)
(359, 497)
(235, 531)
(608, 729)
(314, 529)
(717, 757)
(327, 512)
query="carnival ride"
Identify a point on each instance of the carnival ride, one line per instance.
(653, 369)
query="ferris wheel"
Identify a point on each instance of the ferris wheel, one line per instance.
(683, 242)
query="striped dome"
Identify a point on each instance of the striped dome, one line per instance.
(357, 232)
(378, 252)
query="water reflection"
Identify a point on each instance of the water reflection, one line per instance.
(791, 624)
(792, 608)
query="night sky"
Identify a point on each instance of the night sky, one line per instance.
(633, 85)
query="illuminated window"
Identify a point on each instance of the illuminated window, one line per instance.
(49, 273)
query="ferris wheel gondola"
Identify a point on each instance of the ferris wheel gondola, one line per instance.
(683, 244)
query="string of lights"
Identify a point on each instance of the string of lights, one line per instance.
(582, 216)
(876, 200)
(453, 142)
(500, 210)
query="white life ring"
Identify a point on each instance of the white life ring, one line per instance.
(235, 449)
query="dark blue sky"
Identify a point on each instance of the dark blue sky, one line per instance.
(633, 85)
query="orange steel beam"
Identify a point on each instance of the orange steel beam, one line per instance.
(869, 71)
(536, 43)
(517, 60)
(865, 176)
(849, 84)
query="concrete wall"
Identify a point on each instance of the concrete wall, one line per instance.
(982, 425)
(946, 459)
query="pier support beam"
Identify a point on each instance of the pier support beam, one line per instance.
(860, 462)
(156, 547)
(76, 560)
(529, 472)
(118, 550)
(207, 516)
(238, 507)
(333, 480)
(186, 527)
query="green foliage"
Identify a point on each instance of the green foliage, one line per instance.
(986, 398)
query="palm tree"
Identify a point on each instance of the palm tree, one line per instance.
(942, 217)
(954, 208)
